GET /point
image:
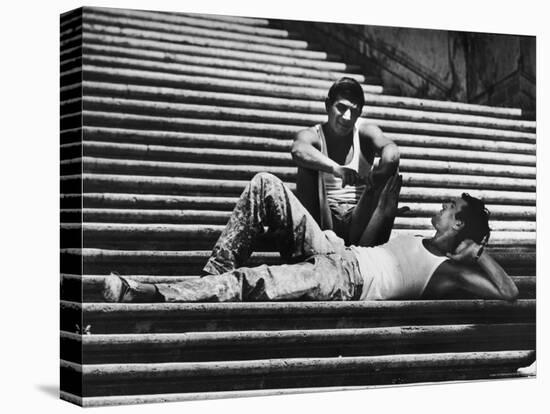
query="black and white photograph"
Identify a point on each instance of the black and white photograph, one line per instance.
(243, 207)
(258, 206)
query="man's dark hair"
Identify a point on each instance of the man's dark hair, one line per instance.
(476, 219)
(347, 88)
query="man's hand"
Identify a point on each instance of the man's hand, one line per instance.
(387, 203)
(369, 180)
(466, 252)
(348, 175)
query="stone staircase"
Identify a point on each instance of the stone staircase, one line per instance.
(164, 118)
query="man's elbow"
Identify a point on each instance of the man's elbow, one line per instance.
(510, 294)
(300, 153)
(391, 153)
(296, 152)
(389, 160)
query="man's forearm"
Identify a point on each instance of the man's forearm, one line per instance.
(371, 232)
(307, 156)
(498, 276)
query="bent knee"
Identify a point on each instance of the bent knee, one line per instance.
(265, 177)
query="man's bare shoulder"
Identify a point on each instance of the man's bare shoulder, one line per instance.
(368, 129)
(308, 135)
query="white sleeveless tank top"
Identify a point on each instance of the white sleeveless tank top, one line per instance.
(399, 269)
(350, 194)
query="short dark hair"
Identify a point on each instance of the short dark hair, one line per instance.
(347, 88)
(476, 220)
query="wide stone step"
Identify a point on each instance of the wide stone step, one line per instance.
(173, 95)
(124, 379)
(87, 288)
(197, 37)
(147, 201)
(516, 261)
(209, 82)
(219, 62)
(178, 185)
(241, 20)
(109, 318)
(197, 28)
(251, 124)
(193, 70)
(501, 152)
(115, 39)
(204, 70)
(104, 401)
(246, 171)
(388, 117)
(223, 205)
(223, 24)
(440, 191)
(444, 160)
(414, 159)
(203, 236)
(300, 72)
(323, 343)
(415, 218)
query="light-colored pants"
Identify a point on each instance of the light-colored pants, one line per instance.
(323, 268)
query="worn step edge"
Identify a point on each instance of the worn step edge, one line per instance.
(410, 179)
(221, 62)
(242, 20)
(252, 26)
(170, 262)
(105, 310)
(177, 186)
(174, 138)
(283, 365)
(253, 345)
(124, 233)
(166, 46)
(111, 318)
(200, 38)
(370, 99)
(197, 70)
(104, 119)
(209, 81)
(223, 205)
(190, 26)
(87, 288)
(283, 155)
(186, 216)
(205, 216)
(207, 110)
(208, 169)
(173, 95)
(179, 397)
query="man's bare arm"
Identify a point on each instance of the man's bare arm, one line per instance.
(385, 209)
(372, 137)
(488, 280)
(306, 154)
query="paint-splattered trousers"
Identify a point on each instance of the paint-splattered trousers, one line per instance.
(321, 268)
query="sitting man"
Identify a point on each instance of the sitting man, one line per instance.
(336, 182)
(323, 268)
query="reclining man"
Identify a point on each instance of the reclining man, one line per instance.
(323, 268)
(336, 182)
